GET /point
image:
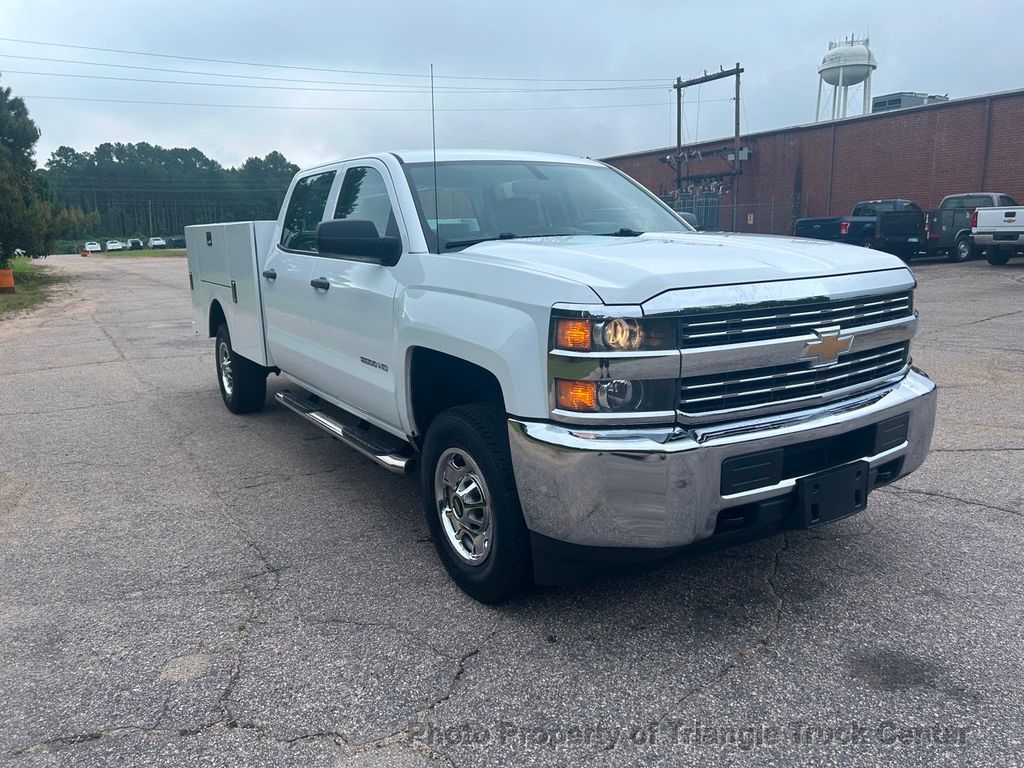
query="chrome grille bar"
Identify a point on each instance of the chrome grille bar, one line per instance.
(704, 395)
(760, 323)
(843, 365)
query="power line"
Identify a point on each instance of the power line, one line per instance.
(328, 69)
(404, 87)
(212, 74)
(321, 90)
(341, 109)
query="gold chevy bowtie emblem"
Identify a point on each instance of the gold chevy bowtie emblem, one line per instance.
(827, 349)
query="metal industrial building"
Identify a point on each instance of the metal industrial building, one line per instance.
(822, 169)
(904, 100)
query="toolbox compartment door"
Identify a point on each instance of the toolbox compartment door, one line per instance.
(225, 264)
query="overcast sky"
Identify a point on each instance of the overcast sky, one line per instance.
(939, 47)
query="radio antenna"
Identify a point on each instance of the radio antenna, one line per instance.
(433, 147)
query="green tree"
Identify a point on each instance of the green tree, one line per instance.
(25, 219)
(141, 190)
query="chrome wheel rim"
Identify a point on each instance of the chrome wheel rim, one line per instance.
(463, 506)
(227, 380)
(961, 251)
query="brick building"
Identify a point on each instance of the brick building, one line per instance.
(823, 169)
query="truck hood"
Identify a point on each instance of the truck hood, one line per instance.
(630, 270)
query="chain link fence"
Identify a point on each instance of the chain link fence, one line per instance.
(774, 217)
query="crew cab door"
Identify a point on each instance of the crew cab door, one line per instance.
(353, 317)
(288, 296)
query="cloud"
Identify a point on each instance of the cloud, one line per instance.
(778, 45)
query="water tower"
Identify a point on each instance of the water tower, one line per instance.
(848, 62)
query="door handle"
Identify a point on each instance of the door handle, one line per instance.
(270, 274)
(321, 283)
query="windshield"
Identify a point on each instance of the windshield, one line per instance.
(491, 200)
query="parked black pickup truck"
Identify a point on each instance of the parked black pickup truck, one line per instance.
(896, 226)
(949, 225)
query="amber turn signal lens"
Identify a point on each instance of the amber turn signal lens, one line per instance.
(573, 334)
(576, 395)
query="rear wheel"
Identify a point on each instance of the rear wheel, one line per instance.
(963, 249)
(471, 504)
(998, 256)
(243, 383)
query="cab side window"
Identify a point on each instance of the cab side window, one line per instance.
(364, 197)
(305, 211)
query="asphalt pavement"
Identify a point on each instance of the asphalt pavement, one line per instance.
(181, 586)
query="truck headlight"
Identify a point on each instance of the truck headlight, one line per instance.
(614, 396)
(620, 395)
(617, 334)
(621, 334)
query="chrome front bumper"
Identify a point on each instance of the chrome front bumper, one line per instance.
(661, 487)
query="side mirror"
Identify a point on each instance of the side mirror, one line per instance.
(690, 218)
(357, 240)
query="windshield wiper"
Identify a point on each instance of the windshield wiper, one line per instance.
(467, 243)
(505, 236)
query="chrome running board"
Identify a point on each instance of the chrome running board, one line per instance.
(374, 444)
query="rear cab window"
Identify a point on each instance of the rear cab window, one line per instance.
(305, 211)
(967, 202)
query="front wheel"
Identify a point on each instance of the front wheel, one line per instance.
(963, 249)
(243, 383)
(471, 503)
(998, 256)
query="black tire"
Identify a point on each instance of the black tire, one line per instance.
(963, 249)
(244, 387)
(505, 567)
(998, 256)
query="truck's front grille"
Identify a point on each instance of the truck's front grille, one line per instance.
(703, 395)
(738, 325)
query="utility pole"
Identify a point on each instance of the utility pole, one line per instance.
(736, 153)
(676, 161)
(679, 136)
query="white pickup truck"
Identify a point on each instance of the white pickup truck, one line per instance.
(1000, 231)
(584, 382)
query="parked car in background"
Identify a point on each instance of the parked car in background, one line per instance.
(156, 242)
(92, 247)
(948, 227)
(176, 242)
(1000, 231)
(895, 226)
(114, 245)
(134, 244)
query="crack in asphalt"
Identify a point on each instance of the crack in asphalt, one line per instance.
(993, 317)
(156, 731)
(949, 497)
(406, 735)
(739, 657)
(290, 476)
(974, 450)
(76, 738)
(104, 404)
